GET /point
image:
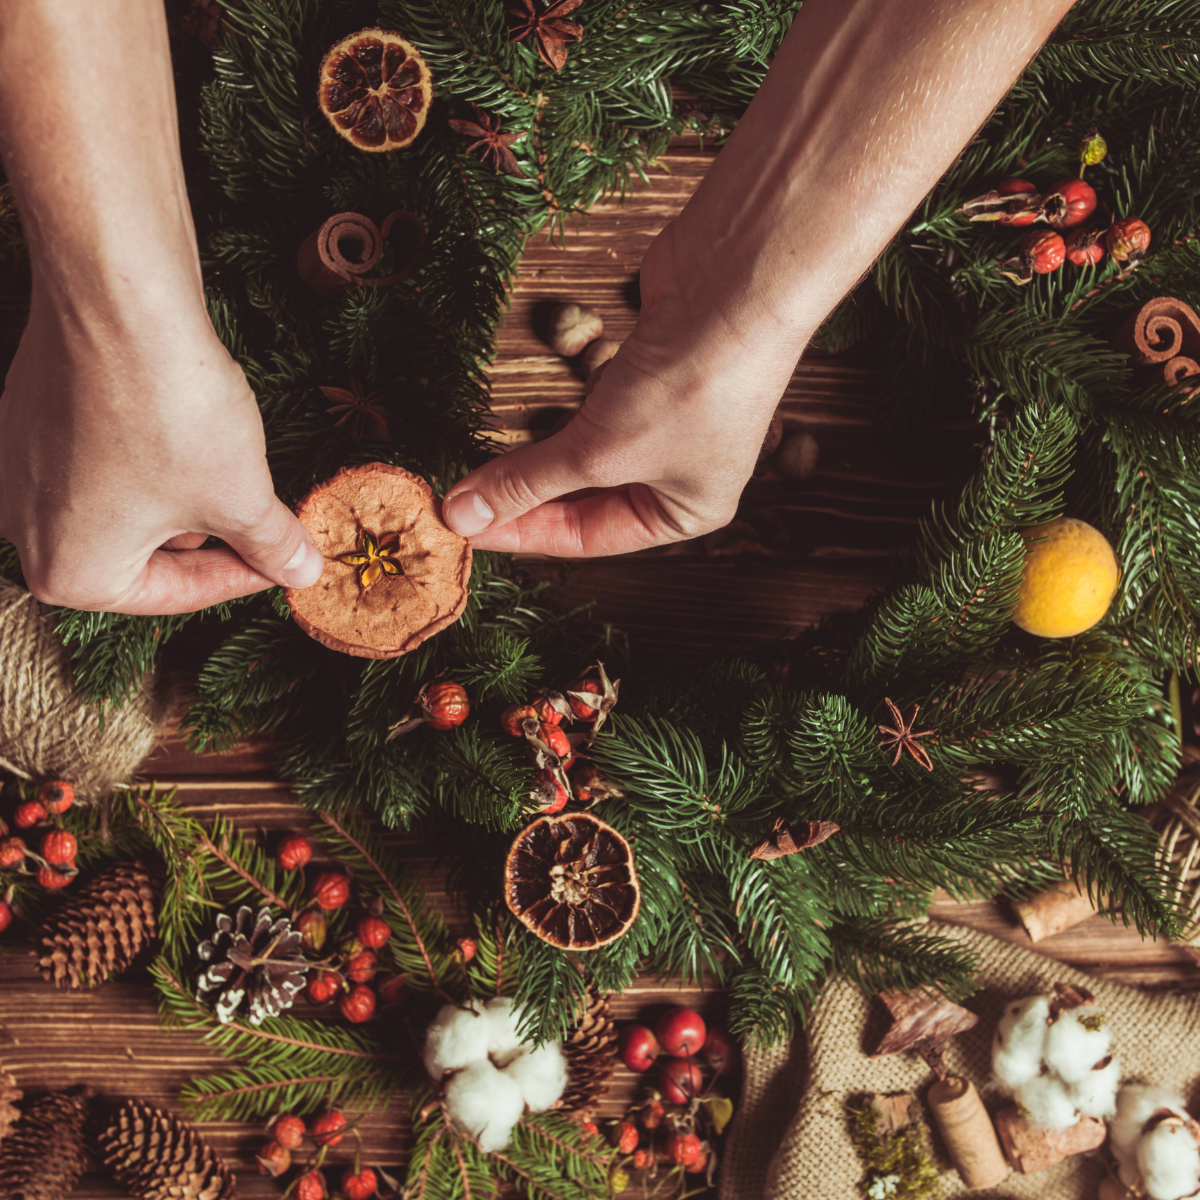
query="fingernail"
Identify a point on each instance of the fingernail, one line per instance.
(468, 513)
(304, 568)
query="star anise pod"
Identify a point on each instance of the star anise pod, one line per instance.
(902, 736)
(491, 145)
(357, 410)
(787, 838)
(549, 29)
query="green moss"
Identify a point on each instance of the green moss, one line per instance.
(899, 1166)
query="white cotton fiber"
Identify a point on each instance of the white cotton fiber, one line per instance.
(1136, 1104)
(541, 1075)
(1019, 1040)
(485, 1103)
(1169, 1162)
(457, 1038)
(503, 1043)
(1072, 1048)
(1095, 1095)
(1046, 1101)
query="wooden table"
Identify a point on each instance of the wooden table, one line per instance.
(846, 523)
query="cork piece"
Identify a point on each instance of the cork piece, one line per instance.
(1030, 1149)
(1050, 912)
(423, 590)
(967, 1131)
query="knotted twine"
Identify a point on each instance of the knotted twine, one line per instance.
(790, 1138)
(47, 729)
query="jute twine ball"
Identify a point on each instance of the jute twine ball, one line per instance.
(1177, 819)
(47, 730)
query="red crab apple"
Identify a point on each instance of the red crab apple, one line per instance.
(638, 1047)
(681, 1031)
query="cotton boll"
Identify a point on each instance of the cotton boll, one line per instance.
(503, 1043)
(456, 1038)
(1169, 1162)
(1136, 1104)
(1019, 1040)
(1096, 1094)
(486, 1103)
(1072, 1049)
(541, 1075)
(1046, 1101)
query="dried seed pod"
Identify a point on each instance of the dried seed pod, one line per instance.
(572, 327)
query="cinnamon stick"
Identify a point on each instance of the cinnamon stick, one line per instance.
(342, 251)
(967, 1131)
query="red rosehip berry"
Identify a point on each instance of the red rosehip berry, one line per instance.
(328, 1128)
(295, 852)
(363, 967)
(683, 1148)
(581, 708)
(591, 785)
(555, 737)
(273, 1159)
(681, 1031)
(680, 1080)
(548, 794)
(358, 1004)
(1015, 202)
(390, 988)
(627, 1137)
(1127, 241)
(59, 848)
(29, 814)
(1069, 203)
(547, 714)
(6, 916)
(289, 1130)
(323, 987)
(57, 795)
(361, 1186)
(590, 1127)
(373, 932)
(638, 1047)
(331, 890)
(314, 929)
(1041, 252)
(1084, 247)
(519, 720)
(311, 1187)
(643, 1159)
(652, 1115)
(12, 851)
(446, 705)
(55, 877)
(720, 1051)
(700, 1165)
(468, 948)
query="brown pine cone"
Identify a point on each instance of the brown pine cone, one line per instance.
(10, 1097)
(155, 1155)
(591, 1053)
(99, 930)
(45, 1154)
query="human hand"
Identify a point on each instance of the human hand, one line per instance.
(666, 439)
(122, 450)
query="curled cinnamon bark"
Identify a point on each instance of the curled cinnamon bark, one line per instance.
(342, 251)
(1162, 340)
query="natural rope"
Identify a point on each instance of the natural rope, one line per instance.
(47, 730)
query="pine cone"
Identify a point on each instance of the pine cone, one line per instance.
(591, 1051)
(45, 1154)
(10, 1097)
(256, 960)
(100, 929)
(154, 1155)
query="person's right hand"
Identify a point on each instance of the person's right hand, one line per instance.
(122, 449)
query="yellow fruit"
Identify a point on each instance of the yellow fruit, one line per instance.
(1071, 576)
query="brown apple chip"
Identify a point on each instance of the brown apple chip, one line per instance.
(394, 574)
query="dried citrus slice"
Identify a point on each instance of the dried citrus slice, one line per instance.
(571, 880)
(375, 90)
(394, 573)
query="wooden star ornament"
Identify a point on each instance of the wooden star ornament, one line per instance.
(903, 737)
(550, 31)
(490, 144)
(924, 1021)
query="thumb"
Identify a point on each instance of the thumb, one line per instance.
(279, 547)
(514, 483)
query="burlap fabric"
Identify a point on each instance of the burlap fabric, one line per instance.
(47, 730)
(790, 1138)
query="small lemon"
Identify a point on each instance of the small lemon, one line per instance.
(1071, 576)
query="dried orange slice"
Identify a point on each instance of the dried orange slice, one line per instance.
(571, 879)
(375, 90)
(394, 574)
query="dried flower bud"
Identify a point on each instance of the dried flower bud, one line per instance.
(572, 327)
(273, 1159)
(313, 930)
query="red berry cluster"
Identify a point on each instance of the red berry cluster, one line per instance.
(53, 863)
(289, 1134)
(554, 752)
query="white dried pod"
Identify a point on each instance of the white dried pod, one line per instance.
(572, 327)
(457, 1038)
(1077, 1041)
(1047, 1102)
(1019, 1040)
(541, 1075)
(1095, 1095)
(485, 1103)
(1169, 1161)
(1136, 1104)
(504, 1043)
